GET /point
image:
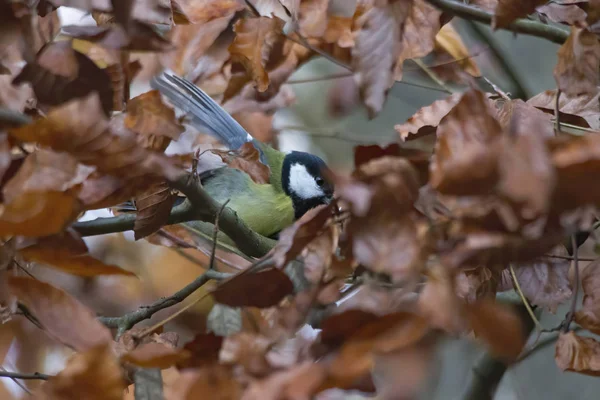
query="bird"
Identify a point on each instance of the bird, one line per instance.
(297, 181)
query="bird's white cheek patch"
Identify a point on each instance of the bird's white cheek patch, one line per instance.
(302, 183)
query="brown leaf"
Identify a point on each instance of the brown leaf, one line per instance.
(205, 383)
(94, 374)
(576, 110)
(337, 328)
(527, 177)
(387, 334)
(386, 245)
(67, 252)
(318, 253)
(576, 158)
(155, 355)
(379, 36)
(60, 74)
(589, 314)
(422, 26)
(153, 120)
(569, 14)
(41, 198)
(80, 128)
(247, 350)
(449, 41)
(576, 71)
(439, 303)
(302, 381)
(203, 11)
(81, 330)
(153, 209)
(261, 289)
(498, 326)
(339, 31)
(544, 281)
(255, 37)
(204, 350)
(466, 151)
(139, 36)
(293, 239)
(426, 120)
(246, 159)
(578, 354)
(508, 10)
(313, 19)
(343, 97)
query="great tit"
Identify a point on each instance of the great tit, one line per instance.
(296, 178)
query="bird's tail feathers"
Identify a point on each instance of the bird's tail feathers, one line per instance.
(202, 110)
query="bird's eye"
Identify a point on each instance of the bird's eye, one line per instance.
(320, 181)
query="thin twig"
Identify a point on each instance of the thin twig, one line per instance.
(432, 75)
(16, 381)
(569, 257)
(557, 111)
(542, 344)
(538, 325)
(127, 321)
(211, 264)
(571, 314)
(19, 375)
(529, 27)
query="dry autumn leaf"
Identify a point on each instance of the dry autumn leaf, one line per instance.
(153, 209)
(67, 252)
(155, 355)
(498, 326)
(589, 314)
(246, 159)
(255, 37)
(576, 110)
(544, 281)
(508, 10)
(566, 13)
(467, 148)
(576, 71)
(80, 128)
(203, 11)
(420, 32)
(153, 120)
(449, 41)
(93, 374)
(379, 34)
(81, 330)
(426, 120)
(260, 289)
(578, 354)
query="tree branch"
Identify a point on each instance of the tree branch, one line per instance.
(198, 207)
(127, 321)
(472, 13)
(18, 375)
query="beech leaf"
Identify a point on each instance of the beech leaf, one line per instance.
(426, 120)
(261, 289)
(380, 30)
(589, 314)
(578, 354)
(576, 71)
(155, 355)
(508, 10)
(153, 209)
(255, 37)
(81, 330)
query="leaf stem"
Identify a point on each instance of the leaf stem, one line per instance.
(538, 325)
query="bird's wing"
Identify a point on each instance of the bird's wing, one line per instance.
(202, 110)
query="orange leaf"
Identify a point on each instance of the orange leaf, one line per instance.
(246, 159)
(255, 37)
(68, 253)
(92, 375)
(576, 71)
(63, 317)
(154, 208)
(578, 354)
(261, 289)
(155, 355)
(378, 45)
(509, 10)
(498, 326)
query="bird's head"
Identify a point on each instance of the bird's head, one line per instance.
(302, 179)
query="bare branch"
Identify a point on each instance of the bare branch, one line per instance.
(533, 28)
(128, 320)
(19, 375)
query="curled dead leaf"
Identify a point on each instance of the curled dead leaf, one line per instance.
(261, 289)
(578, 354)
(576, 71)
